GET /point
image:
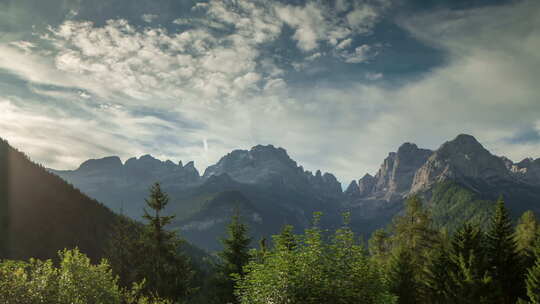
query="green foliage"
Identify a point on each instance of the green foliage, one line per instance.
(314, 271)
(403, 276)
(533, 277)
(437, 280)
(502, 257)
(526, 236)
(452, 205)
(414, 229)
(75, 281)
(122, 249)
(380, 245)
(233, 258)
(168, 272)
(469, 269)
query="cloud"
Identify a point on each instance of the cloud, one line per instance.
(149, 18)
(374, 76)
(359, 55)
(319, 22)
(137, 90)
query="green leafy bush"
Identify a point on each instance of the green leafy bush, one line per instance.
(75, 281)
(314, 271)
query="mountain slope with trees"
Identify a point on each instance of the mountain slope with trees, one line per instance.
(41, 213)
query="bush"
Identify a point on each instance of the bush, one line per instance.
(74, 281)
(314, 271)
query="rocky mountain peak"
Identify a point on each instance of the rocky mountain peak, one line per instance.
(253, 165)
(396, 174)
(352, 189)
(366, 185)
(464, 160)
(102, 164)
(527, 171)
(270, 165)
(465, 145)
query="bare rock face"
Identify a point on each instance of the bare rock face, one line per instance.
(463, 160)
(352, 190)
(114, 183)
(396, 174)
(366, 185)
(266, 165)
(527, 171)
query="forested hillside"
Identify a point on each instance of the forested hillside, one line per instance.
(42, 214)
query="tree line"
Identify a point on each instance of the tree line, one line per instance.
(410, 261)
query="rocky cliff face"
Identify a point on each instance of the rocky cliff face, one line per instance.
(265, 165)
(463, 160)
(527, 171)
(283, 192)
(395, 176)
(123, 187)
(136, 170)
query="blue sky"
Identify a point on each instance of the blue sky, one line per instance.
(339, 84)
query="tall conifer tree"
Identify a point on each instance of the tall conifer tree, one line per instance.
(167, 271)
(503, 258)
(402, 277)
(234, 257)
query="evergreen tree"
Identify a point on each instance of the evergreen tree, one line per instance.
(122, 249)
(414, 229)
(526, 236)
(504, 263)
(167, 271)
(379, 246)
(437, 283)
(469, 269)
(234, 257)
(286, 239)
(402, 276)
(533, 278)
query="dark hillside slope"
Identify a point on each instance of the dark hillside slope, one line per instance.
(41, 213)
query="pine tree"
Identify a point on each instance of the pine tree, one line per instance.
(122, 250)
(166, 270)
(402, 275)
(503, 258)
(414, 229)
(286, 238)
(469, 269)
(379, 246)
(234, 257)
(437, 283)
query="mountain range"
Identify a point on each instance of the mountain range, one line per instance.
(459, 181)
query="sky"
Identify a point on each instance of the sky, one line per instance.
(338, 84)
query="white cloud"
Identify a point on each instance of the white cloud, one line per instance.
(149, 18)
(236, 96)
(318, 22)
(359, 55)
(374, 76)
(345, 43)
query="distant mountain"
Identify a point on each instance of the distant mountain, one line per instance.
(459, 181)
(123, 187)
(269, 165)
(41, 213)
(265, 178)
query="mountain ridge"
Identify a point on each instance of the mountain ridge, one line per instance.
(283, 192)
